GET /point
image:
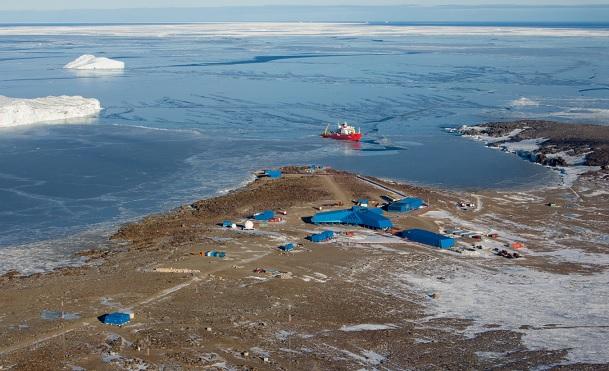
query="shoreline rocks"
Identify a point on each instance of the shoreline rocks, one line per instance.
(549, 143)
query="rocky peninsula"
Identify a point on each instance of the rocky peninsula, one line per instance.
(549, 143)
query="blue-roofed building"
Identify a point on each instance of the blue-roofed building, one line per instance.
(287, 247)
(215, 254)
(405, 205)
(264, 215)
(273, 174)
(321, 237)
(428, 238)
(362, 216)
(116, 318)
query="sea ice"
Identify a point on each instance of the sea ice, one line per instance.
(244, 29)
(91, 62)
(18, 111)
(592, 114)
(524, 102)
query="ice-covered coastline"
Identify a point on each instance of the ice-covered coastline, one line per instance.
(527, 148)
(570, 161)
(91, 62)
(21, 111)
(269, 29)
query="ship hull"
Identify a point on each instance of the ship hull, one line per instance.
(355, 137)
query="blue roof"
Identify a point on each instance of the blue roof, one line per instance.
(215, 254)
(273, 174)
(376, 210)
(323, 236)
(362, 216)
(264, 215)
(406, 204)
(428, 238)
(116, 318)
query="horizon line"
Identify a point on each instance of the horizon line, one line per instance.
(481, 24)
(462, 6)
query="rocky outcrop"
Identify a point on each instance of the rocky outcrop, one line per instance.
(559, 144)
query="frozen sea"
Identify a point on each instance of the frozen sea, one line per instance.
(200, 107)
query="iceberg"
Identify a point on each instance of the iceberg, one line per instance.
(19, 111)
(91, 62)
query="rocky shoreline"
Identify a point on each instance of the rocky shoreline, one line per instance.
(549, 143)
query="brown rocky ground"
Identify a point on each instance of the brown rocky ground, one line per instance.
(346, 304)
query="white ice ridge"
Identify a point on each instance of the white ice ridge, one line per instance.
(20, 111)
(91, 62)
(295, 29)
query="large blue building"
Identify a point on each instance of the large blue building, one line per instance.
(428, 238)
(362, 216)
(405, 205)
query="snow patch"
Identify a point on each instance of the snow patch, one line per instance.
(487, 139)
(283, 335)
(109, 302)
(21, 111)
(597, 193)
(260, 352)
(51, 315)
(373, 358)
(369, 327)
(569, 158)
(91, 62)
(574, 255)
(571, 174)
(553, 311)
(527, 145)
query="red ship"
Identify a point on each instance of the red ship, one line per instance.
(344, 132)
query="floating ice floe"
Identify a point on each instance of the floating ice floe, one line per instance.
(524, 102)
(19, 111)
(91, 62)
